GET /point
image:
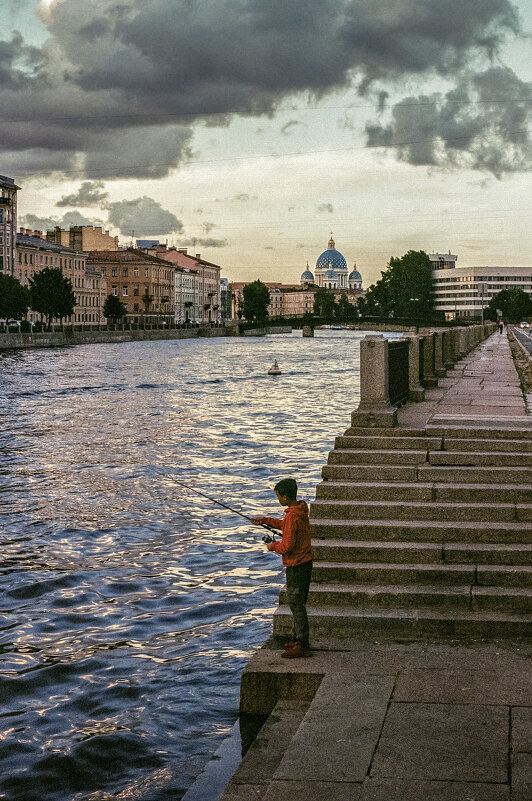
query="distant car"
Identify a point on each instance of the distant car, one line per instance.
(524, 325)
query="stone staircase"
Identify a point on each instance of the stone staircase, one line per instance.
(421, 533)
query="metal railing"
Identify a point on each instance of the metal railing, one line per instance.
(398, 372)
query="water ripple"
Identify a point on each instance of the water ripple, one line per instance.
(129, 605)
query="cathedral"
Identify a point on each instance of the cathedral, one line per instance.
(331, 271)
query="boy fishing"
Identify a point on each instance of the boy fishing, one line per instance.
(296, 552)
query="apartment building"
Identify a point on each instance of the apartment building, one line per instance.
(8, 224)
(83, 237)
(143, 283)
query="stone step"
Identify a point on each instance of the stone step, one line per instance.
(421, 531)
(504, 575)
(369, 472)
(339, 551)
(374, 491)
(431, 553)
(393, 573)
(516, 430)
(392, 596)
(430, 491)
(385, 432)
(479, 458)
(472, 475)
(412, 623)
(367, 457)
(389, 443)
(419, 510)
(489, 445)
(502, 598)
(481, 553)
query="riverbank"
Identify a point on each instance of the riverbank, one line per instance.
(56, 339)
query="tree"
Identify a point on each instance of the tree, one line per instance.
(14, 298)
(324, 305)
(404, 289)
(256, 299)
(345, 311)
(514, 304)
(52, 294)
(113, 308)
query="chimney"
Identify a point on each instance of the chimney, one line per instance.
(198, 255)
(182, 250)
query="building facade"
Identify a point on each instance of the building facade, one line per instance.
(187, 295)
(466, 291)
(208, 277)
(8, 225)
(143, 283)
(35, 254)
(83, 237)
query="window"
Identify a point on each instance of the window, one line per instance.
(146, 272)
(135, 307)
(136, 291)
(114, 272)
(124, 291)
(104, 272)
(1, 239)
(114, 290)
(135, 271)
(124, 272)
(1, 215)
(25, 258)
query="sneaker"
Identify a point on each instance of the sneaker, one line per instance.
(297, 651)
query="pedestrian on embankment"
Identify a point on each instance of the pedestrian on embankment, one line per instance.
(501, 326)
(296, 551)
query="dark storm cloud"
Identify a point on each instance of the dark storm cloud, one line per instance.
(206, 242)
(481, 124)
(144, 216)
(89, 194)
(117, 86)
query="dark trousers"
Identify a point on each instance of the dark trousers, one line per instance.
(297, 586)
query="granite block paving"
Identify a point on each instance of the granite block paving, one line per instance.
(442, 742)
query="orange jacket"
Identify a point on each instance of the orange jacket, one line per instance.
(295, 545)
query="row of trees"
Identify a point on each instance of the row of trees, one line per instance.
(513, 305)
(49, 293)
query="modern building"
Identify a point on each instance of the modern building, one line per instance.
(83, 237)
(35, 254)
(466, 291)
(8, 224)
(143, 283)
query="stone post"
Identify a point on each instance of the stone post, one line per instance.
(439, 369)
(374, 409)
(415, 390)
(462, 342)
(430, 379)
(308, 331)
(447, 350)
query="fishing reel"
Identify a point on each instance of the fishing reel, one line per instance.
(268, 538)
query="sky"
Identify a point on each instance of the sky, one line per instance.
(249, 130)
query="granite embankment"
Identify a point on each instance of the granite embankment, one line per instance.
(420, 608)
(55, 339)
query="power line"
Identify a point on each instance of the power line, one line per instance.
(253, 112)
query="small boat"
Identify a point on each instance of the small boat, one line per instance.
(274, 369)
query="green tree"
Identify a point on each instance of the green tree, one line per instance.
(14, 298)
(52, 294)
(256, 299)
(345, 311)
(514, 304)
(325, 305)
(113, 308)
(404, 289)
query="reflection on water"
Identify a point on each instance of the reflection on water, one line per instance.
(129, 606)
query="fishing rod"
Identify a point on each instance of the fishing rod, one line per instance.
(267, 538)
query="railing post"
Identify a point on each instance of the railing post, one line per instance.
(439, 369)
(415, 390)
(430, 378)
(374, 409)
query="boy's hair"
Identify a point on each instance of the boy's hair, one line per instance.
(287, 487)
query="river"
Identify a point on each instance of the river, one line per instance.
(129, 605)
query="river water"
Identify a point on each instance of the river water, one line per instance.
(129, 606)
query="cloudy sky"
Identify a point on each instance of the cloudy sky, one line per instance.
(251, 129)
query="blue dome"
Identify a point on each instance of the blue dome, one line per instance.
(307, 276)
(331, 274)
(331, 258)
(355, 276)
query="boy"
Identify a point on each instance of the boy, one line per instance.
(297, 556)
